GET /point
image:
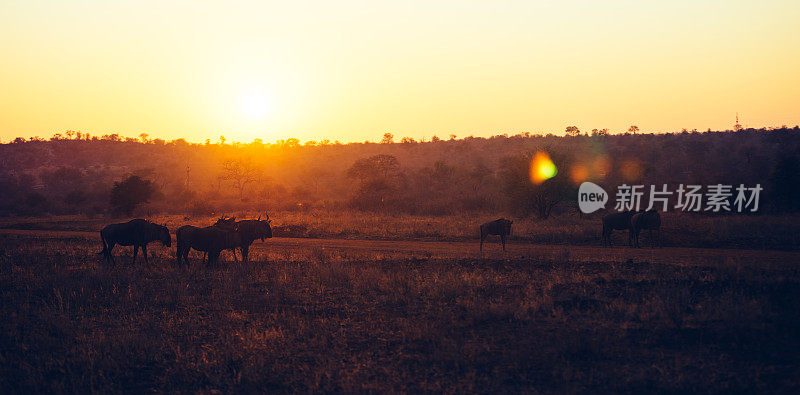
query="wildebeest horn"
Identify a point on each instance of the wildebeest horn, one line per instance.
(259, 218)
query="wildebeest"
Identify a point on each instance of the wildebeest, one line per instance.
(616, 221)
(250, 230)
(648, 220)
(136, 233)
(500, 227)
(230, 243)
(210, 239)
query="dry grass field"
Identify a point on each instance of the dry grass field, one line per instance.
(780, 232)
(360, 153)
(354, 316)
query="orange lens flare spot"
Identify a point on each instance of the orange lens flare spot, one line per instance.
(542, 168)
(632, 170)
(601, 166)
(579, 173)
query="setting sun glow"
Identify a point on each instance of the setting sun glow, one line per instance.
(353, 70)
(256, 105)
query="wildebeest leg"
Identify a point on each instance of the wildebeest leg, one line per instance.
(483, 236)
(179, 253)
(245, 249)
(213, 257)
(135, 250)
(651, 238)
(110, 256)
(234, 255)
(503, 240)
(144, 251)
(185, 254)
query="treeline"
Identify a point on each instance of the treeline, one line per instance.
(75, 174)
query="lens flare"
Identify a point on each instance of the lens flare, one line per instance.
(601, 166)
(579, 173)
(632, 170)
(542, 168)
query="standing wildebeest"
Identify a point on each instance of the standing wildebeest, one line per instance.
(136, 233)
(500, 227)
(648, 220)
(616, 221)
(249, 230)
(211, 240)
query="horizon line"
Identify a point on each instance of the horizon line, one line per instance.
(76, 135)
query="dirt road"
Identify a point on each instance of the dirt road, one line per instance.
(458, 250)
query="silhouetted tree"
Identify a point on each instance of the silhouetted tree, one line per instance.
(377, 166)
(291, 143)
(524, 197)
(633, 129)
(572, 131)
(240, 172)
(129, 193)
(388, 138)
(377, 176)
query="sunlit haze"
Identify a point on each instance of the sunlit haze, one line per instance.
(353, 70)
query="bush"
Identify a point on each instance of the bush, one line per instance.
(129, 193)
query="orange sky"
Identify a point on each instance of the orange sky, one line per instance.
(353, 70)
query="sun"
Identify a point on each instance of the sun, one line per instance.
(256, 104)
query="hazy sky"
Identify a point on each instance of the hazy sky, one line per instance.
(353, 70)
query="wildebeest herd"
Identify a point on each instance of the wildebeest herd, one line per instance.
(229, 234)
(225, 234)
(634, 222)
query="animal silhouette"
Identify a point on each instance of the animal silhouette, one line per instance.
(616, 221)
(210, 239)
(137, 233)
(648, 220)
(499, 227)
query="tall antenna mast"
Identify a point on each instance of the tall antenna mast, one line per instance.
(737, 127)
